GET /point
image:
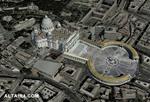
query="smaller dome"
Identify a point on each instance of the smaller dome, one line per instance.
(47, 24)
(57, 24)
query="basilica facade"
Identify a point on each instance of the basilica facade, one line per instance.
(52, 35)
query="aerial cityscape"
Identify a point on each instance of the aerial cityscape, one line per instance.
(74, 50)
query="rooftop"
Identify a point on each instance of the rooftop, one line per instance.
(48, 67)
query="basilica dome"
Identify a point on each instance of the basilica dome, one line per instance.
(47, 25)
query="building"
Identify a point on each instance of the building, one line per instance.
(29, 86)
(104, 9)
(2, 92)
(90, 89)
(49, 93)
(71, 72)
(135, 5)
(53, 36)
(48, 68)
(142, 84)
(145, 7)
(39, 38)
(146, 60)
(2, 32)
(25, 24)
(143, 44)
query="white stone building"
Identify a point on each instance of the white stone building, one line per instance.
(54, 36)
